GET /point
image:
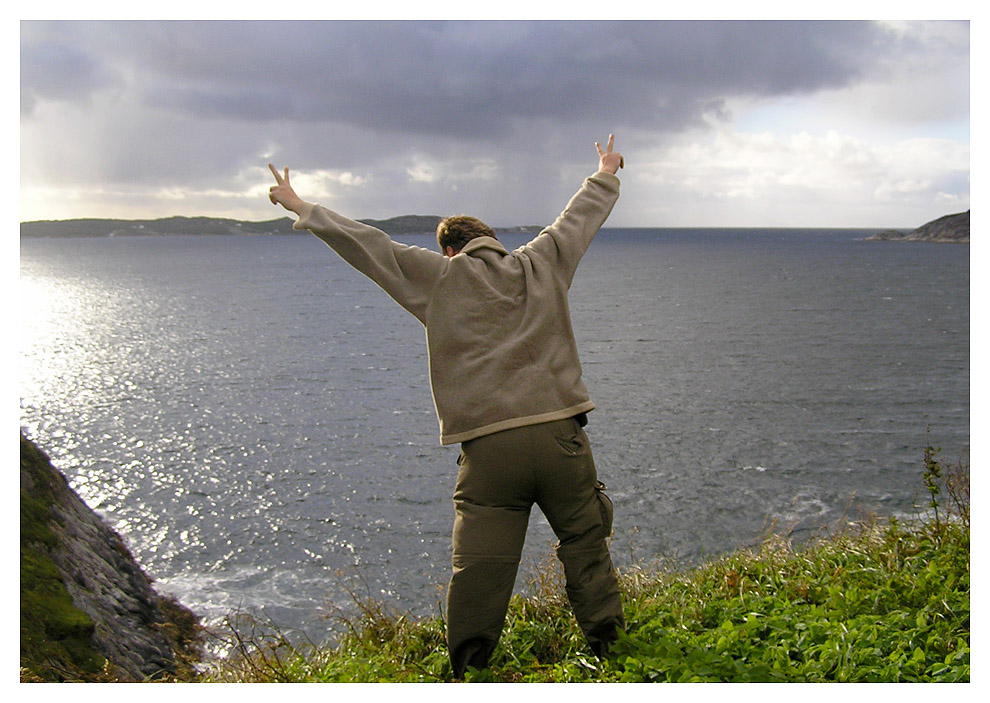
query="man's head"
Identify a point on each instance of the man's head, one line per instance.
(457, 230)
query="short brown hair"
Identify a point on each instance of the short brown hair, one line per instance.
(457, 230)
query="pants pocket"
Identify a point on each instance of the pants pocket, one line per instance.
(573, 443)
(605, 505)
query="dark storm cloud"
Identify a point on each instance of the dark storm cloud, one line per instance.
(52, 70)
(471, 80)
(494, 118)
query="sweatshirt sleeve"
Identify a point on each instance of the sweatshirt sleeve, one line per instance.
(565, 241)
(407, 273)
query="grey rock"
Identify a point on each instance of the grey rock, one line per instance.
(105, 582)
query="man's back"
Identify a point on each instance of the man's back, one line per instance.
(501, 347)
(501, 350)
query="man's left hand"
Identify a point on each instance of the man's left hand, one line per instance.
(608, 160)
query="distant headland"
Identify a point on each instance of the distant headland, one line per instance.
(950, 228)
(93, 227)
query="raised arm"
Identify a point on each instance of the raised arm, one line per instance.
(407, 273)
(563, 243)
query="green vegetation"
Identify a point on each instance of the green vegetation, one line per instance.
(877, 602)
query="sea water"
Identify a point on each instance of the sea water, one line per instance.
(254, 417)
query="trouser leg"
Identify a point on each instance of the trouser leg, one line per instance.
(581, 516)
(489, 531)
(593, 591)
(501, 476)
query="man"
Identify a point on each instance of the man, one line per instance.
(507, 386)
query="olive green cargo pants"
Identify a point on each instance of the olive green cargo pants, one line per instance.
(501, 475)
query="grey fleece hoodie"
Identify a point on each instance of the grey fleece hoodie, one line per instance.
(501, 349)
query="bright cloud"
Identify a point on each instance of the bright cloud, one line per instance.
(775, 177)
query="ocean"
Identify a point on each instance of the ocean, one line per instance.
(255, 419)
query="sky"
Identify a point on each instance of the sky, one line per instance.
(721, 123)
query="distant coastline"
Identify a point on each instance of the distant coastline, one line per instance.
(95, 227)
(169, 226)
(950, 228)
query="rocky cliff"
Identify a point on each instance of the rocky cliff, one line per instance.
(950, 228)
(88, 611)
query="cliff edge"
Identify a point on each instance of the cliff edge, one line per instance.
(88, 611)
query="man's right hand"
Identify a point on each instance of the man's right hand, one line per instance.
(609, 161)
(282, 193)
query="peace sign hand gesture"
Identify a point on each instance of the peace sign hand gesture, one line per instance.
(607, 160)
(282, 193)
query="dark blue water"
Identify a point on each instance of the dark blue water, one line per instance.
(255, 418)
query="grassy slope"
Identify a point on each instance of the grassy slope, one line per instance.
(885, 602)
